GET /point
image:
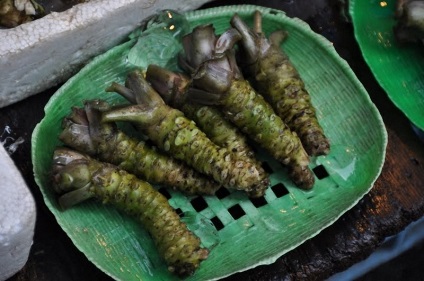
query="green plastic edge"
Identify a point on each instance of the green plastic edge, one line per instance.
(417, 122)
(45, 195)
(323, 42)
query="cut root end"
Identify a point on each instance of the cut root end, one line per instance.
(187, 268)
(302, 177)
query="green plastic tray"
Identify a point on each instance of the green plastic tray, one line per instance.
(240, 232)
(398, 68)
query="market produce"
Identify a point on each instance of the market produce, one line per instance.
(83, 177)
(218, 80)
(277, 79)
(83, 131)
(172, 132)
(240, 233)
(173, 86)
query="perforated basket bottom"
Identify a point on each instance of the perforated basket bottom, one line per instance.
(240, 232)
(227, 207)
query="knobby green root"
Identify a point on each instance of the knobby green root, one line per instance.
(177, 245)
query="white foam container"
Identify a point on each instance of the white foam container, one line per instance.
(38, 55)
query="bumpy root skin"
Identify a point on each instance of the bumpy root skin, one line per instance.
(276, 78)
(83, 131)
(179, 247)
(222, 83)
(223, 133)
(174, 89)
(280, 83)
(181, 138)
(173, 133)
(250, 112)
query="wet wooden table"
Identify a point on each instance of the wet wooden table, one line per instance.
(396, 200)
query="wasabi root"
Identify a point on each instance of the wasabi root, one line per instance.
(279, 82)
(173, 88)
(83, 178)
(83, 131)
(173, 133)
(218, 80)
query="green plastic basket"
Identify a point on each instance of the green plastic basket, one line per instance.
(240, 232)
(398, 68)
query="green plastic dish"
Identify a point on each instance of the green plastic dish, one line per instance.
(398, 68)
(240, 232)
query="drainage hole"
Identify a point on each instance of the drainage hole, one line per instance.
(222, 193)
(320, 172)
(217, 223)
(258, 202)
(236, 211)
(279, 190)
(199, 204)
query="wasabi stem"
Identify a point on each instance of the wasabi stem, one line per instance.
(278, 81)
(174, 89)
(173, 133)
(84, 178)
(218, 80)
(83, 131)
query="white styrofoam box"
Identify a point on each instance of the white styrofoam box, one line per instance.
(17, 217)
(38, 55)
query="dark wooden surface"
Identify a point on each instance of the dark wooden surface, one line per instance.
(396, 200)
